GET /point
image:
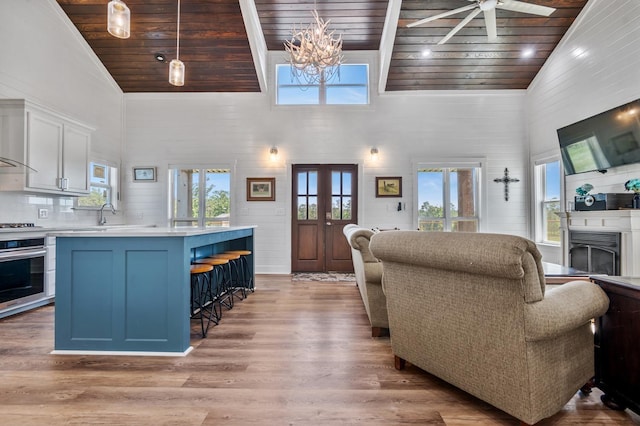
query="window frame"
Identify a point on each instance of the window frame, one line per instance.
(202, 219)
(540, 200)
(364, 57)
(113, 186)
(322, 89)
(447, 165)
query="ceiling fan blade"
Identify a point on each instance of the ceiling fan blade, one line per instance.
(458, 27)
(522, 7)
(490, 23)
(442, 15)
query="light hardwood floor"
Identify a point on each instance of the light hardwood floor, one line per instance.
(291, 354)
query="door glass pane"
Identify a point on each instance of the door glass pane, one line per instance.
(313, 183)
(336, 210)
(431, 225)
(464, 226)
(302, 183)
(336, 183)
(194, 175)
(346, 183)
(217, 197)
(302, 208)
(430, 199)
(461, 192)
(346, 208)
(313, 208)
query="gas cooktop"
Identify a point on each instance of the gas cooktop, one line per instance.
(17, 225)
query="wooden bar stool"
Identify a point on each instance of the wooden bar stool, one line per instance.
(220, 288)
(200, 292)
(234, 270)
(247, 274)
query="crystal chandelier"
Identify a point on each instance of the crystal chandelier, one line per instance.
(315, 54)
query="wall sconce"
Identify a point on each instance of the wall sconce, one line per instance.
(374, 154)
(273, 153)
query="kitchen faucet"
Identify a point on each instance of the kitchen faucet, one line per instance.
(103, 220)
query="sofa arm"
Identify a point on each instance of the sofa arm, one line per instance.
(373, 272)
(563, 309)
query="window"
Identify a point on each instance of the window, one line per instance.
(548, 184)
(200, 197)
(103, 186)
(448, 199)
(349, 86)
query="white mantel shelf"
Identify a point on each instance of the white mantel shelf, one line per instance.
(624, 221)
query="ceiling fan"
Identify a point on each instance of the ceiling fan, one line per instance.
(489, 8)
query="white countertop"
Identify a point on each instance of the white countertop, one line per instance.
(109, 231)
(137, 231)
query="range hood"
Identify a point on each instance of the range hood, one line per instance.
(7, 162)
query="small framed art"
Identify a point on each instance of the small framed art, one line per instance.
(388, 187)
(144, 174)
(261, 189)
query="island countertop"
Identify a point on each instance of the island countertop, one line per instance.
(141, 231)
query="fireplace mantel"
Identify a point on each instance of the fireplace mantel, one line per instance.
(626, 222)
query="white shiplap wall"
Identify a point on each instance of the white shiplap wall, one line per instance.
(237, 130)
(594, 68)
(44, 59)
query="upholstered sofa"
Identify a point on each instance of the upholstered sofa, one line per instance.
(472, 309)
(368, 271)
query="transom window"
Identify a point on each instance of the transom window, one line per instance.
(200, 197)
(349, 86)
(448, 199)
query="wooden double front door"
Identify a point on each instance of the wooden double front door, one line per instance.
(324, 200)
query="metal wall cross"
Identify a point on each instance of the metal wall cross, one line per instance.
(506, 180)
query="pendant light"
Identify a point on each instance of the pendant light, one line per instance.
(176, 66)
(118, 19)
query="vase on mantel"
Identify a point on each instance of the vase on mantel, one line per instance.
(636, 201)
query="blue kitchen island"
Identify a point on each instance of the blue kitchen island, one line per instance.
(127, 291)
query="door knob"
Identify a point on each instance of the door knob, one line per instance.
(329, 223)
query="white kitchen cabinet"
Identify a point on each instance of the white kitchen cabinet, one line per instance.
(54, 145)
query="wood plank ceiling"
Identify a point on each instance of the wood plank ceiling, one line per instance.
(213, 44)
(467, 60)
(215, 48)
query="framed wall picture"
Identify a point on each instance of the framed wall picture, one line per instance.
(144, 174)
(261, 189)
(388, 187)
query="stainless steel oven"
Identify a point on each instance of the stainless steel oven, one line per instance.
(22, 272)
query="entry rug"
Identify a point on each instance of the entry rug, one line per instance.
(317, 276)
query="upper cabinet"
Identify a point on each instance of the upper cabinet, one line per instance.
(55, 148)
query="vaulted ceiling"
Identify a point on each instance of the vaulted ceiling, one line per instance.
(215, 47)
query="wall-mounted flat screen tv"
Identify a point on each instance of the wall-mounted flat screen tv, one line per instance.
(606, 140)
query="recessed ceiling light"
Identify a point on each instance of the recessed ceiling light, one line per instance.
(426, 53)
(528, 53)
(159, 57)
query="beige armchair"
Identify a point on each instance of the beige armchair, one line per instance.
(368, 271)
(472, 309)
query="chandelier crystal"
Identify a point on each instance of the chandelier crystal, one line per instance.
(314, 53)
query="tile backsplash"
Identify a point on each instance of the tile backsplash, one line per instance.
(23, 207)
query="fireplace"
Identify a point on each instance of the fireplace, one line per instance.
(602, 242)
(595, 252)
